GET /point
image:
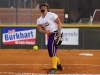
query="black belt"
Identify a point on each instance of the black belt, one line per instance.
(53, 31)
(56, 31)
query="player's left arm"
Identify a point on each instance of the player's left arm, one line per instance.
(58, 38)
(59, 25)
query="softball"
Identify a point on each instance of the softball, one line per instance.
(35, 47)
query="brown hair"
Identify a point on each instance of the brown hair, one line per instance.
(45, 4)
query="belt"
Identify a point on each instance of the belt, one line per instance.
(53, 32)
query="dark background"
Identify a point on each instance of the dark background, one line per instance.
(76, 9)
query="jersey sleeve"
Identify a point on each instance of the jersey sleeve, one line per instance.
(54, 16)
(38, 22)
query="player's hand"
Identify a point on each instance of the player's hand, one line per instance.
(59, 34)
(47, 32)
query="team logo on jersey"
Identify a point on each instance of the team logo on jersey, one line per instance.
(45, 24)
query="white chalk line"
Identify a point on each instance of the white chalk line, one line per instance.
(42, 74)
(47, 64)
(13, 73)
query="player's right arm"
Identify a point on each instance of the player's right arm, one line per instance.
(43, 31)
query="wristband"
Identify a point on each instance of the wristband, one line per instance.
(59, 31)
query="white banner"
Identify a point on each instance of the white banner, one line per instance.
(70, 36)
(16, 36)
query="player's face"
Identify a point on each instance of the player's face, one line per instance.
(43, 8)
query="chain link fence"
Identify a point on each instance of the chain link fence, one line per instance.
(21, 11)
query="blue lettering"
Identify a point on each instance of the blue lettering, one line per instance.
(25, 35)
(18, 36)
(32, 34)
(11, 37)
(69, 34)
(65, 39)
(6, 37)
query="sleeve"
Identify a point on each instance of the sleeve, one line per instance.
(54, 16)
(38, 22)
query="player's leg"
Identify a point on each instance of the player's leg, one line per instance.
(59, 66)
(52, 53)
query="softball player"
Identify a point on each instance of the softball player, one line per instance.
(49, 23)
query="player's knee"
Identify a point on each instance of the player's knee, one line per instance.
(51, 55)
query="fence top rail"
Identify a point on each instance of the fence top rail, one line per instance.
(35, 26)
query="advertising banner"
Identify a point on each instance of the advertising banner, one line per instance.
(70, 36)
(16, 36)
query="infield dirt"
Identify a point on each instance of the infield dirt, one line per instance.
(14, 62)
